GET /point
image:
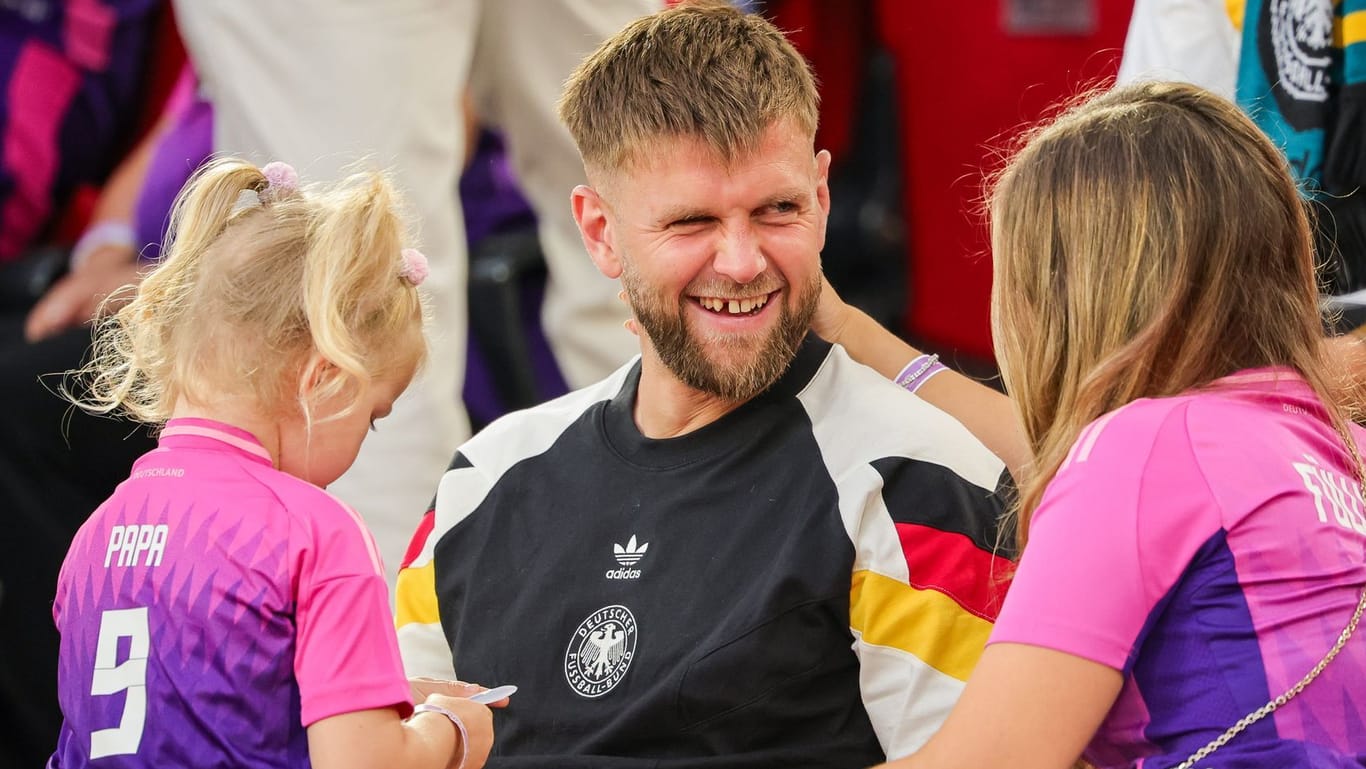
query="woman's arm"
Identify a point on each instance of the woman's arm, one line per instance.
(986, 413)
(1025, 707)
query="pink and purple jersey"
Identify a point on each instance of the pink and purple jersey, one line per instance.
(213, 608)
(1211, 547)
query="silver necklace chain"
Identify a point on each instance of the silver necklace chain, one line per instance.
(1270, 707)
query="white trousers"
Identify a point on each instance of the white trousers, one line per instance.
(323, 84)
(1189, 40)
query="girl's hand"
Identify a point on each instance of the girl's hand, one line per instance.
(76, 298)
(630, 323)
(376, 738)
(832, 314)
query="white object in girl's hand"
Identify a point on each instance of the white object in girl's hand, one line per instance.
(493, 695)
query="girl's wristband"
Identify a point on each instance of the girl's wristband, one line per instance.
(427, 707)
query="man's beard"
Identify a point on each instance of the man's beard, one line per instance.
(757, 363)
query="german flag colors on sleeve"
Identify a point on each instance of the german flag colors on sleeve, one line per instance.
(923, 597)
(919, 504)
(421, 642)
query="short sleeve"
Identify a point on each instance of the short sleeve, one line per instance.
(1112, 535)
(422, 640)
(923, 594)
(347, 657)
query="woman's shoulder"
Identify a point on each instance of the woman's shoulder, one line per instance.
(1234, 442)
(1129, 430)
(1241, 406)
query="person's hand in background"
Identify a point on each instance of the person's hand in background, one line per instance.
(77, 296)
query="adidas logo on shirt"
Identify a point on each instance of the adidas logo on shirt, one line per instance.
(628, 556)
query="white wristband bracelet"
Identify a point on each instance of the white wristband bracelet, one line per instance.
(427, 707)
(108, 233)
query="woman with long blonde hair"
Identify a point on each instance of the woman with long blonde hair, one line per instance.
(1190, 510)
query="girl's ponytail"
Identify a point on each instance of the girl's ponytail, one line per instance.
(133, 354)
(340, 282)
(258, 276)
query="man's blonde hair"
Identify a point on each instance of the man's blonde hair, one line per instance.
(702, 70)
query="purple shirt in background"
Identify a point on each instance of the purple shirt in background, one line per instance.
(186, 145)
(489, 195)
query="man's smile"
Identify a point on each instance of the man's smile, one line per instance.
(744, 305)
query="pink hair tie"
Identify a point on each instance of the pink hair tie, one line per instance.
(281, 180)
(415, 268)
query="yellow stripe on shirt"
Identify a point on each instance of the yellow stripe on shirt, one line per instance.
(925, 623)
(1352, 29)
(415, 596)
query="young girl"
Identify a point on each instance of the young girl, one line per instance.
(221, 609)
(1192, 577)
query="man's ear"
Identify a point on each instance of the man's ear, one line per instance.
(590, 213)
(823, 180)
(823, 189)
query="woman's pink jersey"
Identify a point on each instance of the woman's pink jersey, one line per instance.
(1211, 547)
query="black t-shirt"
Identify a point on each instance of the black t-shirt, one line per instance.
(689, 602)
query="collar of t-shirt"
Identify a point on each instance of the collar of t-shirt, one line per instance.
(195, 432)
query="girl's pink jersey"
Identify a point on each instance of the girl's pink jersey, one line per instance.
(213, 608)
(1211, 547)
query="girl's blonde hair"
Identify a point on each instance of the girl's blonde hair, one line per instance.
(255, 278)
(1146, 242)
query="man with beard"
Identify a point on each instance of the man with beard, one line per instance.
(742, 549)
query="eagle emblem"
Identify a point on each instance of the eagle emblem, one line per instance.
(600, 651)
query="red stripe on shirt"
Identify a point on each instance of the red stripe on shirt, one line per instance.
(951, 564)
(424, 530)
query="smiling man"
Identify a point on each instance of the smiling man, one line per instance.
(742, 549)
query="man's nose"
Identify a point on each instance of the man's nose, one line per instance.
(738, 255)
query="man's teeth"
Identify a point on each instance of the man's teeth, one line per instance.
(733, 306)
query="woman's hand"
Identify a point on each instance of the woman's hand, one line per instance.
(76, 298)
